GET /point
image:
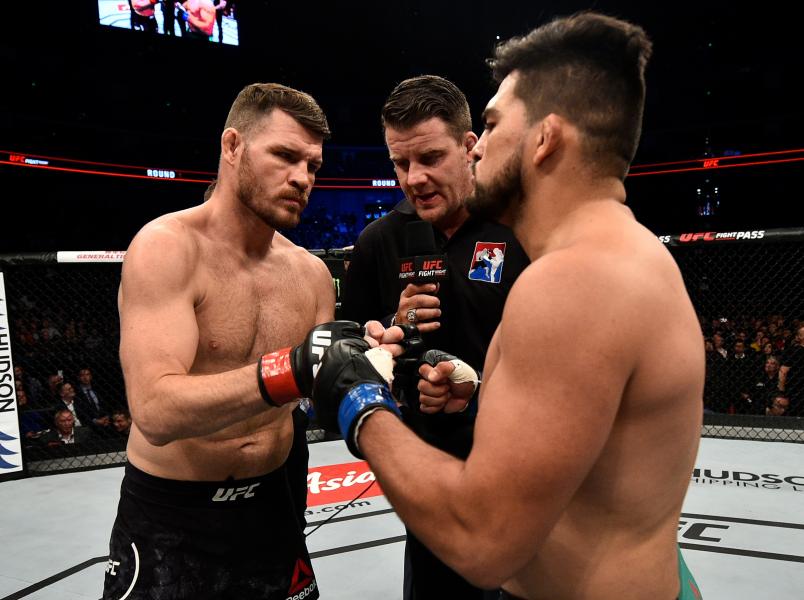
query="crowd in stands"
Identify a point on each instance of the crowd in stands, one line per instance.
(69, 409)
(320, 229)
(754, 366)
(70, 389)
(67, 378)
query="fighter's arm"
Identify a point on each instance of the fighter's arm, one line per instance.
(325, 290)
(204, 18)
(159, 339)
(201, 15)
(546, 412)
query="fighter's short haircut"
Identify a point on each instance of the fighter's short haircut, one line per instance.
(258, 100)
(589, 69)
(421, 98)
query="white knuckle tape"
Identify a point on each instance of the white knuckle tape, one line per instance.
(383, 362)
(463, 373)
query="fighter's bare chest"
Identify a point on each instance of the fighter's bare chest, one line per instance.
(244, 314)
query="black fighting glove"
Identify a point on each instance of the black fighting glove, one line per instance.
(348, 388)
(463, 373)
(288, 374)
(412, 344)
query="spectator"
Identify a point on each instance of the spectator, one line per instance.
(51, 396)
(32, 386)
(742, 372)
(779, 406)
(71, 351)
(756, 345)
(121, 422)
(791, 375)
(719, 344)
(93, 340)
(768, 383)
(47, 345)
(97, 410)
(65, 431)
(717, 392)
(49, 330)
(756, 399)
(67, 402)
(32, 422)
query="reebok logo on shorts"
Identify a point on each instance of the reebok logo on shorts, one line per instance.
(487, 262)
(302, 583)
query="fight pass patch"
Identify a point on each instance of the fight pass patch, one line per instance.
(487, 262)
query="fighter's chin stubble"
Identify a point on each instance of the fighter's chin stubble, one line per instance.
(250, 190)
(500, 199)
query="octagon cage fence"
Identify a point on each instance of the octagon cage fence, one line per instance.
(59, 325)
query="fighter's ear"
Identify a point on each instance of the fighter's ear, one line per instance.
(549, 137)
(232, 144)
(469, 141)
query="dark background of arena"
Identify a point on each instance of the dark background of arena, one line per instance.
(722, 80)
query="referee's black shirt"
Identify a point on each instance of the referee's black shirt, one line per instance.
(471, 304)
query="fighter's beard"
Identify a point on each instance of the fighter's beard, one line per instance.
(501, 199)
(252, 194)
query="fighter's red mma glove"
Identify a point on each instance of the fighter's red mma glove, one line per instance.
(288, 374)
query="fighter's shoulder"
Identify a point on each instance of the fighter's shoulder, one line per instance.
(299, 258)
(169, 239)
(578, 275)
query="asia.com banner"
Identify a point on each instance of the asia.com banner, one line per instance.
(10, 447)
(340, 483)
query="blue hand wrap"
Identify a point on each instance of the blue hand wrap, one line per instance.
(361, 397)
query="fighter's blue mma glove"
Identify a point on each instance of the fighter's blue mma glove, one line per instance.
(351, 384)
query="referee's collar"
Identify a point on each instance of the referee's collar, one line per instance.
(405, 207)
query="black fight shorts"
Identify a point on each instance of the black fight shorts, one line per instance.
(235, 539)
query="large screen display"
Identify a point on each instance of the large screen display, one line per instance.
(206, 20)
